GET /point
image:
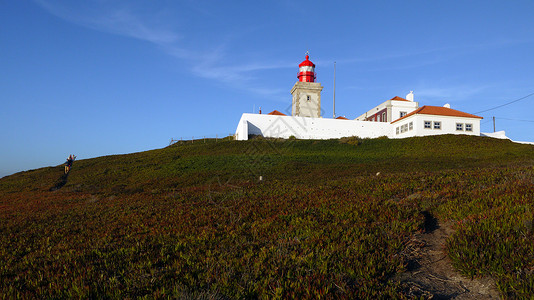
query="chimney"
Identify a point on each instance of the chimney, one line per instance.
(409, 97)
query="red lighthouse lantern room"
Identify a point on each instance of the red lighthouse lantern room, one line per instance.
(306, 71)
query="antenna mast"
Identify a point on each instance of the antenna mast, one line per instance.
(334, 90)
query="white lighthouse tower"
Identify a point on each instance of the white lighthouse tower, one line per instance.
(306, 92)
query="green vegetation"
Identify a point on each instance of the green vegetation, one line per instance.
(328, 219)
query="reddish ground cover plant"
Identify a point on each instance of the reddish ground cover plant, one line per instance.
(494, 233)
(193, 220)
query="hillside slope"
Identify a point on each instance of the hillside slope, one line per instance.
(328, 218)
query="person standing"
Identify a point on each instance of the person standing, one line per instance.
(68, 163)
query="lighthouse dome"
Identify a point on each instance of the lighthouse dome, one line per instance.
(307, 63)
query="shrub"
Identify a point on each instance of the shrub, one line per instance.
(353, 140)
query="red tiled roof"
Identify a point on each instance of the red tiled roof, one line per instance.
(341, 118)
(276, 113)
(439, 111)
(397, 98)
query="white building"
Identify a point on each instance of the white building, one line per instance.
(390, 110)
(394, 118)
(434, 120)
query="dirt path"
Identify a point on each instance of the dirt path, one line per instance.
(60, 182)
(430, 273)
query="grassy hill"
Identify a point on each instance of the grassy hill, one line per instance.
(329, 218)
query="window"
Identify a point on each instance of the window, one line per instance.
(459, 126)
(402, 114)
(437, 125)
(308, 97)
(411, 125)
(384, 117)
(397, 130)
(428, 124)
(468, 127)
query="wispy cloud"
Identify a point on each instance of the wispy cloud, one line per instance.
(120, 21)
(208, 63)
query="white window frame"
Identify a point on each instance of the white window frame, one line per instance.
(411, 126)
(397, 130)
(429, 124)
(403, 113)
(384, 117)
(459, 126)
(437, 125)
(468, 127)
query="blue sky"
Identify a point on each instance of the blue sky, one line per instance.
(96, 78)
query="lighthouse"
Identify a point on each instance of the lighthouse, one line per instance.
(306, 92)
(306, 71)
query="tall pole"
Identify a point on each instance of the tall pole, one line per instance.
(493, 124)
(334, 90)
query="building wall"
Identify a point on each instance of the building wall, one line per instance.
(393, 109)
(447, 126)
(306, 99)
(319, 128)
(370, 115)
(379, 116)
(404, 106)
(307, 128)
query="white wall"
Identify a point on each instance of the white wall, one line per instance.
(448, 125)
(394, 107)
(398, 106)
(502, 135)
(322, 128)
(308, 128)
(372, 111)
(497, 135)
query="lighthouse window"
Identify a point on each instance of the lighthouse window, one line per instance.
(308, 97)
(402, 114)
